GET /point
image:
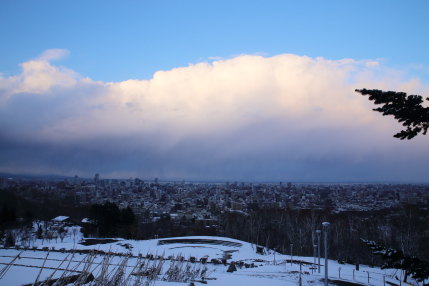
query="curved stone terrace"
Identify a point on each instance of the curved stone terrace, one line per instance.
(200, 241)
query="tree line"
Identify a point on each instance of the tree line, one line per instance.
(403, 228)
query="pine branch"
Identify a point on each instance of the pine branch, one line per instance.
(406, 109)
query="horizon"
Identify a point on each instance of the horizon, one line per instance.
(191, 181)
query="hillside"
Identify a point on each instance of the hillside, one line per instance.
(172, 261)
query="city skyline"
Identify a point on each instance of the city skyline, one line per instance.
(221, 91)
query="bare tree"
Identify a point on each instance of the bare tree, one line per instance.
(62, 233)
(75, 231)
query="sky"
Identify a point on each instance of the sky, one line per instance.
(210, 90)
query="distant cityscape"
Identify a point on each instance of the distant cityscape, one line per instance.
(204, 201)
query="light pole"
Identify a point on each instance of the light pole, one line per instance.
(314, 255)
(291, 255)
(325, 230)
(318, 232)
(275, 249)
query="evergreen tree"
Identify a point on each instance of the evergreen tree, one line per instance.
(7, 215)
(418, 269)
(127, 216)
(10, 239)
(111, 220)
(407, 109)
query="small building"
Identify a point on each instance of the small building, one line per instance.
(61, 220)
(86, 221)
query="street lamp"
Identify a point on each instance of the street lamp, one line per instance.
(318, 232)
(325, 230)
(275, 249)
(314, 255)
(291, 255)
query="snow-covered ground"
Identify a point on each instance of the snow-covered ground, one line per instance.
(19, 266)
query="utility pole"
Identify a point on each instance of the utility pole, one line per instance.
(325, 230)
(291, 254)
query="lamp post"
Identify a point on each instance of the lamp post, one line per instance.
(275, 249)
(318, 232)
(314, 254)
(291, 254)
(325, 230)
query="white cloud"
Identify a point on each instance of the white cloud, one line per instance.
(53, 54)
(245, 105)
(38, 76)
(222, 96)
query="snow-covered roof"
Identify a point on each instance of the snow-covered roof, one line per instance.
(60, 218)
(86, 220)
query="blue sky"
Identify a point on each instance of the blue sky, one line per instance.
(114, 41)
(246, 90)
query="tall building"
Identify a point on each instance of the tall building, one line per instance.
(97, 179)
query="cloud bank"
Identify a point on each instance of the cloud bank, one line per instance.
(285, 117)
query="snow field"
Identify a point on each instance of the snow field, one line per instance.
(132, 252)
